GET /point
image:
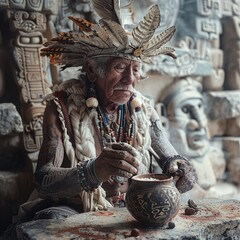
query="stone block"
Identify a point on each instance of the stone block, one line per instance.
(214, 219)
(231, 146)
(222, 104)
(10, 120)
(233, 127)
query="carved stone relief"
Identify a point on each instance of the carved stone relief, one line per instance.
(189, 134)
(32, 22)
(30, 5)
(203, 56)
(185, 111)
(31, 77)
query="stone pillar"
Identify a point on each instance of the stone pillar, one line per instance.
(29, 27)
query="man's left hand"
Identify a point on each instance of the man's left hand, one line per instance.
(184, 173)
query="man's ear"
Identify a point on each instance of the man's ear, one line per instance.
(90, 71)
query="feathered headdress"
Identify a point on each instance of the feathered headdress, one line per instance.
(109, 38)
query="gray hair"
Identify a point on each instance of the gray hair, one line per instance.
(99, 64)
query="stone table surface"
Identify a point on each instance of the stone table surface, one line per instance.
(215, 219)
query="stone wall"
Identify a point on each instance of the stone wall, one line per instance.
(207, 69)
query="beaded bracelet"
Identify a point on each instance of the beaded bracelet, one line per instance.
(91, 173)
(170, 159)
(86, 176)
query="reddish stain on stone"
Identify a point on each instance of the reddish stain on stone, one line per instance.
(77, 231)
(103, 213)
(231, 209)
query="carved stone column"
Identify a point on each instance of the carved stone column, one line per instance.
(31, 77)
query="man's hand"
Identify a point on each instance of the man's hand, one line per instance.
(117, 159)
(184, 173)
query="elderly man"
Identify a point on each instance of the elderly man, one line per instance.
(98, 130)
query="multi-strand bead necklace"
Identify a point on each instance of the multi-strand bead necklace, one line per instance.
(118, 127)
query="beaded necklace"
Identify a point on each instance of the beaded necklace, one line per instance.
(120, 130)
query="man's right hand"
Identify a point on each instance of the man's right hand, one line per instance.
(117, 159)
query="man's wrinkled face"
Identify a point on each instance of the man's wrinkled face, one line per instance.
(117, 84)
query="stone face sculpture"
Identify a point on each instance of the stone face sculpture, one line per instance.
(185, 111)
(188, 133)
